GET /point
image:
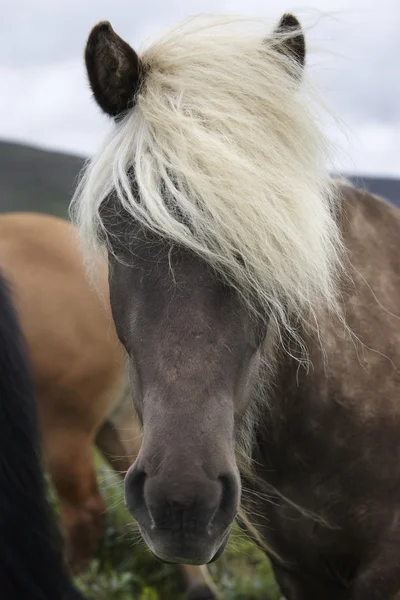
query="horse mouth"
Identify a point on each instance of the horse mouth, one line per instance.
(220, 550)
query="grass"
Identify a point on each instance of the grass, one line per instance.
(124, 569)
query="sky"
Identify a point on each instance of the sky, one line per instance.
(354, 59)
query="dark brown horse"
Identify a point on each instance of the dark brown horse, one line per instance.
(258, 302)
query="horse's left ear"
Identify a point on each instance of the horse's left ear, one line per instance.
(114, 70)
(294, 45)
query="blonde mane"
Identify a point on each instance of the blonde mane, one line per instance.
(228, 161)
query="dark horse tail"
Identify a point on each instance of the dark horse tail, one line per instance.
(31, 562)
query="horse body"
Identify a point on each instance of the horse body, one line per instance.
(233, 261)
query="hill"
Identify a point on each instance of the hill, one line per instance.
(36, 180)
(43, 181)
(386, 187)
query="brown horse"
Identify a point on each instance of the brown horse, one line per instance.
(78, 370)
(258, 302)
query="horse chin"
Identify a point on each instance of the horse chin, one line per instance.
(174, 560)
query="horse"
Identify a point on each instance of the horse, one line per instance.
(76, 364)
(78, 373)
(257, 300)
(31, 562)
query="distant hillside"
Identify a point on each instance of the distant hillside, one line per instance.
(36, 180)
(43, 181)
(385, 187)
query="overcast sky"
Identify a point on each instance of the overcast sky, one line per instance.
(45, 98)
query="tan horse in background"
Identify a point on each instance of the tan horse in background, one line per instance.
(78, 371)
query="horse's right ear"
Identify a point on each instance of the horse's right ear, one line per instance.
(113, 68)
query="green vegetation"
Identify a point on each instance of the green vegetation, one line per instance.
(125, 570)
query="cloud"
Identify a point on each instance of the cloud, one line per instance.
(45, 97)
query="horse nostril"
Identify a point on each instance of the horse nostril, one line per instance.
(179, 506)
(230, 493)
(134, 490)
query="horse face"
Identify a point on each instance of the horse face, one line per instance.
(194, 352)
(194, 349)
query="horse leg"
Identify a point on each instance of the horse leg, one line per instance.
(82, 507)
(198, 582)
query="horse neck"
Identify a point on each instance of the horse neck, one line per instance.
(294, 396)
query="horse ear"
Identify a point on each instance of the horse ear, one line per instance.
(114, 69)
(294, 45)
